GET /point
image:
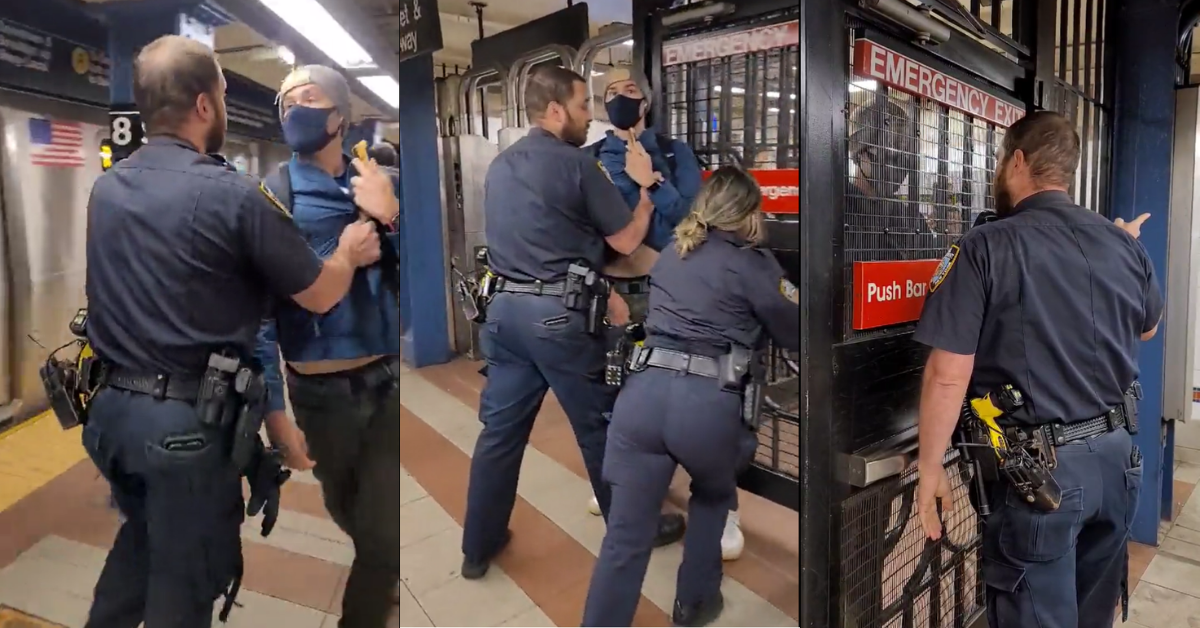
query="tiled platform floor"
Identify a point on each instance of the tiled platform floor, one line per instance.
(55, 527)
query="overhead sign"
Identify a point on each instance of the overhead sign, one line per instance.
(420, 28)
(780, 189)
(873, 61)
(38, 61)
(890, 293)
(728, 44)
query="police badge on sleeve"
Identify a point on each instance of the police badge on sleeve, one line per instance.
(944, 267)
(262, 187)
(789, 291)
(608, 176)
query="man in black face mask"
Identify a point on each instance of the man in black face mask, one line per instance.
(343, 367)
(885, 150)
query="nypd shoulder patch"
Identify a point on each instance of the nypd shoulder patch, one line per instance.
(789, 291)
(262, 187)
(944, 268)
(600, 164)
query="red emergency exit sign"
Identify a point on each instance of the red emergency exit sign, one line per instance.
(780, 189)
(890, 293)
(874, 61)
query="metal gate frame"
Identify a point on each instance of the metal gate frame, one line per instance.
(1037, 82)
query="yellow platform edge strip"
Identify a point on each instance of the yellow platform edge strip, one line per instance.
(32, 454)
(10, 618)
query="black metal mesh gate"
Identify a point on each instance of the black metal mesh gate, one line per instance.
(742, 109)
(893, 576)
(919, 173)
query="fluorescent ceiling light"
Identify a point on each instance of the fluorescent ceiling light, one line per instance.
(385, 87)
(732, 90)
(313, 22)
(627, 42)
(286, 55)
(858, 86)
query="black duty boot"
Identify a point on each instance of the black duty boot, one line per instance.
(474, 570)
(670, 529)
(701, 614)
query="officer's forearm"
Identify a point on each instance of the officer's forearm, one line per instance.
(330, 287)
(941, 402)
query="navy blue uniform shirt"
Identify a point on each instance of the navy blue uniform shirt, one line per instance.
(183, 254)
(723, 293)
(1053, 300)
(548, 205)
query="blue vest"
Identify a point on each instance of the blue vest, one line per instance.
(367, 321)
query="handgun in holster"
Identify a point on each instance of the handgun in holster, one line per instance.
(252, 392)
(1025, 461)
(1132, 397)
(741, 371)
(587, 291)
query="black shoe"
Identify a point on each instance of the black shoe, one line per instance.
(670, 529)
(701, 614)
(474, 570)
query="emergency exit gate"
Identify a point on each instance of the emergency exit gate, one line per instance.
(924, 102)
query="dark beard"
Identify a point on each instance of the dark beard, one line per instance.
(572, 135)
(214, 140)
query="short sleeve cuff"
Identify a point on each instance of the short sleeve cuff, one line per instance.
(927, 336)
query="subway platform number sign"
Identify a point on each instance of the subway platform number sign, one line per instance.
(890, 293)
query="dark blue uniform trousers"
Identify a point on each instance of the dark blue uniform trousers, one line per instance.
(1064, 569)
(533, 344)
(180, 545)
(663, 419)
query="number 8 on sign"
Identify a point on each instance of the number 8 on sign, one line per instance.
(122, 131)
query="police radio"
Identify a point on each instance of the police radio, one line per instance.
(70, 383)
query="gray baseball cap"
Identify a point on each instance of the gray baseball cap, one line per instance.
(328, 79)
(621, 73)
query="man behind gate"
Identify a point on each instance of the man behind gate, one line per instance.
(1036, 319)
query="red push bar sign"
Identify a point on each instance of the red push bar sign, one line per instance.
(780, 189)
(890, 293)
(874, 61)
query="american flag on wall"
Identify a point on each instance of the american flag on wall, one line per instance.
(55, 144)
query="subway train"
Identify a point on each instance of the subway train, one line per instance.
(49, 158)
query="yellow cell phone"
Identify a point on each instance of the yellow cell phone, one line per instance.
(360, 152)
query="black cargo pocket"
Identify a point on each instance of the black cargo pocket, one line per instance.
(1002, 576)
(1133, 486)
(1028, 535)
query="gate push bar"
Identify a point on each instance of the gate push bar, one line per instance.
(879, 462)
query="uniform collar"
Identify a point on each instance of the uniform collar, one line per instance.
(728, 236)
(1043, 199)
(171, 140)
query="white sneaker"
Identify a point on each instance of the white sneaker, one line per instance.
(732, 541)
(594, 506)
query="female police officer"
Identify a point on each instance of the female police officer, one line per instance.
(710, 292)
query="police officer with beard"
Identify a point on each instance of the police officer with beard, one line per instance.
(1051, 300)
(549, 207)
(183, 254)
